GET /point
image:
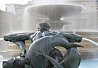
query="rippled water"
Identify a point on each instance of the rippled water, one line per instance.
(84, 64)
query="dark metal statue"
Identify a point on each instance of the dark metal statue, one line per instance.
(42, 52)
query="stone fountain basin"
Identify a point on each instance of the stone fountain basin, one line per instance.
(55, 11)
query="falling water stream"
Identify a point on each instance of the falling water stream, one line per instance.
(1, 39)
(91, 41)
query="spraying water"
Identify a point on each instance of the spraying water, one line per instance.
(91, 41)
(25, 20)
(1, 39)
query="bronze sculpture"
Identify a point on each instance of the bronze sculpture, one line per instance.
(38, 55)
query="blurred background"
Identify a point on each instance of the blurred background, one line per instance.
(70, 16)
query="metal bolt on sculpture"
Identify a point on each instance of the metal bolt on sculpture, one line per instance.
(42, 52)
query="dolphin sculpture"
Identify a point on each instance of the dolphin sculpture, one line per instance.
(45, 44)
(37, 55)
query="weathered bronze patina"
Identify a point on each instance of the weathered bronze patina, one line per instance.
(42, 52)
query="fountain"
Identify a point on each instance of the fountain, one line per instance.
(54, 13)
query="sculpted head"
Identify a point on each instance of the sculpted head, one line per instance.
(44, 26)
